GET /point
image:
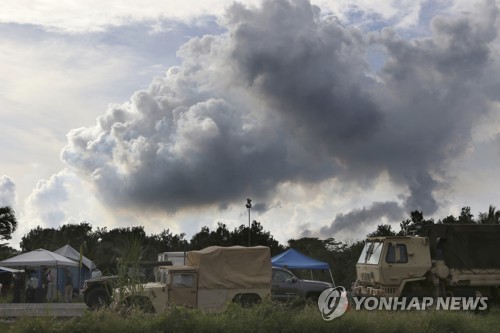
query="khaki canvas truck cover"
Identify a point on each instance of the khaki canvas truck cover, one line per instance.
(234, 267)
(465, 246)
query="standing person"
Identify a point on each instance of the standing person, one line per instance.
(51, 290)
(48, 284)
(18, 286)
(45, 282)
(31, 288)
(68, 286)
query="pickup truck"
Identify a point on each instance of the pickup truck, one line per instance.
(286, 286)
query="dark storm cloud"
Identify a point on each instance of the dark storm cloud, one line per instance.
(176, 156)
(434, 90)
(310, 70)
(367, 215)
(285, 95)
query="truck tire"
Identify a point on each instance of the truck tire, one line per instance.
(247, 300)
(97, 297)
(141, 303)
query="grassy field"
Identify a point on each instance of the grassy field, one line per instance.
(267, 317)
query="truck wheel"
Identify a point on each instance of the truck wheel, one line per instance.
(141, 303)
(97, 298)
(247, 300)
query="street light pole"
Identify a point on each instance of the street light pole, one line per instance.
(249, 205)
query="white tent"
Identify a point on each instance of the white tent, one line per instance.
(37, 258)
(10, 270)
(69, 252)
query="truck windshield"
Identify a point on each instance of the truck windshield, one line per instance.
(371, 253)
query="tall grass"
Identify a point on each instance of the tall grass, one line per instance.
(266, 317)
(128, 284)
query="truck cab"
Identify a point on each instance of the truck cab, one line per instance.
(175, 285)
(387, 264)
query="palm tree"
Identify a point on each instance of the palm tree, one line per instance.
(492, 217)
(8, 222)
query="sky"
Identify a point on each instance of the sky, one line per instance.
(332, 116)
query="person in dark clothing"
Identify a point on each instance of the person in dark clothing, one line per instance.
(18, 286)
(45, 282)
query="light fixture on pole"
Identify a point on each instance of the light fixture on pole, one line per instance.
(249, 206)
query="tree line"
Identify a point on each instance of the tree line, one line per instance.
(107, 246)
(415, 224)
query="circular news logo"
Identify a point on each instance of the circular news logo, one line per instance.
(333, 303)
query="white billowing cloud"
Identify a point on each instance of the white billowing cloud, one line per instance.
(45, 204)
(61, 199)
(7, 191)
(65, 198)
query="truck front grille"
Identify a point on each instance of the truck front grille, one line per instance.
(389, 290)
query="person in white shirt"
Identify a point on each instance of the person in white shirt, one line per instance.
(33, 281)
(32, 285)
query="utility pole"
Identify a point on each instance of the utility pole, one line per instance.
(249, 206)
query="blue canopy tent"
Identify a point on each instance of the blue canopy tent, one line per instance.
(293, 259)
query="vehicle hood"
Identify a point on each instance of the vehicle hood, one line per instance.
(154, 285)
(101, 278)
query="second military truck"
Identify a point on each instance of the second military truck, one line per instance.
(447, 260)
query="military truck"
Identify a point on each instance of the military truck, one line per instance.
(446, 260)
(211, 278)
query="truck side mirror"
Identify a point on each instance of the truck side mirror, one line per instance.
(291, 280)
